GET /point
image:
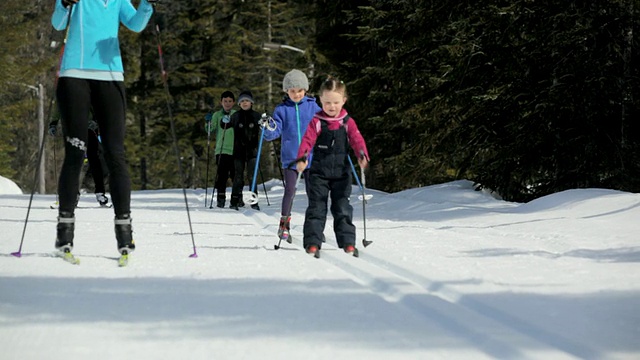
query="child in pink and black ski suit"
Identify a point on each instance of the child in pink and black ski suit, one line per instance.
(329, 135)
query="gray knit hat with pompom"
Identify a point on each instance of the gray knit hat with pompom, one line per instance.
(295, 79)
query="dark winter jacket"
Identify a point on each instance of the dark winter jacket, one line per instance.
(291, 122)
(246, 129)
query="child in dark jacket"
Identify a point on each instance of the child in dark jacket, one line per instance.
(329, 135)
(291, 119)
(246, 130)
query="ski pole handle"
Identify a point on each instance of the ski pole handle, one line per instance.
(362, 161)
(303, 158)
(266, 121)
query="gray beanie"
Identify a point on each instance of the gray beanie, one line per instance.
(295, 79)
(245, 95)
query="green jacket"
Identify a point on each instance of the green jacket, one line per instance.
(224, 132)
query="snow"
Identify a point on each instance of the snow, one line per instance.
(8, 187)
(452, 273)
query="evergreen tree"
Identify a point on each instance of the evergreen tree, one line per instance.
(524, 98)
(27, 60)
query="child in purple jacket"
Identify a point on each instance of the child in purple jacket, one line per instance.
(291, 118)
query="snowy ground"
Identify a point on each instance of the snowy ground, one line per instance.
(452, 274)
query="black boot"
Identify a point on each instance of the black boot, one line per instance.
(124, 234)
(65, 228)
(221, 200)
(235, 202)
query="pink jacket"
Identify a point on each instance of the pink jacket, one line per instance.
(313, 130)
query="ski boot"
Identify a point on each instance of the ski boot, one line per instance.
(351, 250)
(236, 202)
(103, 200)
(284, 228)
(312, 249)
(221, 200)
(64, 231)
(124, 234)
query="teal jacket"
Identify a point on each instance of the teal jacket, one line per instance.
(92, 42)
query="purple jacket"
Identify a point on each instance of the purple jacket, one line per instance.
(291, 123)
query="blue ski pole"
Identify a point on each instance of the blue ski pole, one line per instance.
(266, 121)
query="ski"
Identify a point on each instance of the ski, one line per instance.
(123, 260)
(315, 254)
(68, 257)
(109, 206)
(286, 237)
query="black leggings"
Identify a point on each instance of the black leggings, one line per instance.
(95, 165)
(76, 98)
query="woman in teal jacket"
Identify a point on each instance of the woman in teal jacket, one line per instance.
(92, 77)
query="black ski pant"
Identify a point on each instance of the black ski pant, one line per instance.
(319, 191)
(76, 98)
(225, 171)
(240, 165)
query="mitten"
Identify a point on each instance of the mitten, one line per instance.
(66, 3)
(53, 129)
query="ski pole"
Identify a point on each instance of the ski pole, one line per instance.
(215, 181)
(206, 181)
(33, 190)
(55, 166)
(353, 168)
(266, 122)
(365, 242)
(37, 172)
(254, 195)
(275, 152)
(264, 187)
(173, 135)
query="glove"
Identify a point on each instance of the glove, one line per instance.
(264, 120)
(362, 160)
(208, 117)
(301, 163)
(53, 128)
(66, 3)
